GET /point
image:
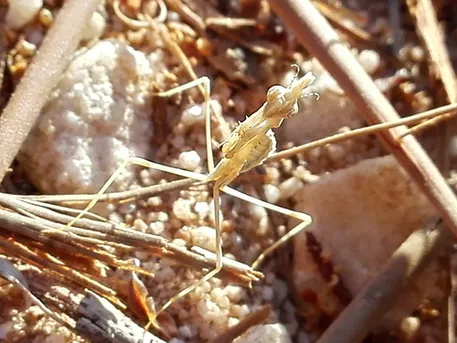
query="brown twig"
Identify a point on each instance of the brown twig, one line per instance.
(363, 313)
(428, 30)
(41, 76)
(24, 253)
(91, 231)
(315, 33)
(254, 318)
(102, 322)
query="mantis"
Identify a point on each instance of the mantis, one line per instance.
(249, 144)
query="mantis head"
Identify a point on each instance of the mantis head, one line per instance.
(282, 102)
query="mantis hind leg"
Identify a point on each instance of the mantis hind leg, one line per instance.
(204, 84)
(305, 219)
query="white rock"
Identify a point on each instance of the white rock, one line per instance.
(182, 210)
(268, 333)
(370, 60)
(205, 237)
(21, 12)
(289, 187)
(157, 228)
(98, 115)
(267, 293)
(272, 193)
(202, 208)
(410, 327)
(193, 114)
(95, 27)
(189, 160)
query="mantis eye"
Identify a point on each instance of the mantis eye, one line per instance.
(274, 93)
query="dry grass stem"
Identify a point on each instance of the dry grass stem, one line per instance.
(429, 31)
(96, 233)
(362, 315)
(253, 319)
(41, 76)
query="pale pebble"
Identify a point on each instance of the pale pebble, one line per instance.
(21, 12)
(268, 333)
(204, 237)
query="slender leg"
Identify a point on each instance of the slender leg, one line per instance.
(303, 217)
(205, 277)
(205, 82)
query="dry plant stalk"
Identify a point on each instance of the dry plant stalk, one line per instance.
(253, 319)
(363, 313)
(429, 31)
(41, 76)
(88, 231)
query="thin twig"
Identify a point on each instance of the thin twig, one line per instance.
(364, 131)
(101, 321)
(24, 253)
(254, 318)
(8, 271)
(91, 231)
(41, 76)
(428, 29)
(315, 33)
(363, 313)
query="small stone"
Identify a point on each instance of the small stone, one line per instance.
(232, 321)
(178, 142)
(370, 60)
(140, 225)
(272, 193)
(336, 152)
(204, 237)
(157, 228)
(182, 210)
(21, 12)
(25, 48)
(189, 160)
(46, 17)
(235, 293)
(269, 333)
(97, 116)
(192, 115)
(187, 331)
(409, 327)
(141, 255)
(202, 208)
(154, 201)
(95, 27)
(289, 187)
